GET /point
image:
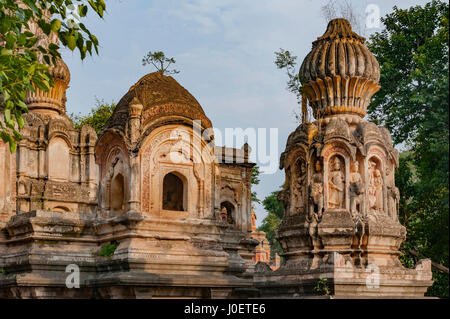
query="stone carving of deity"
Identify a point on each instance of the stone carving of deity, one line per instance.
(106, 186)
(223, 214)
(394, 195)
(316, 192)
(356, 190)
(375, 188)
(299, 186)
(336, 185)
(283, 196)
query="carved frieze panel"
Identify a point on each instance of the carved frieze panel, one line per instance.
(66, 191)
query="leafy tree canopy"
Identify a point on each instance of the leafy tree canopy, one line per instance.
(272, 221)
(254, 180)
(23, 61)
(413, 103)
(96, 118)
(412, 51)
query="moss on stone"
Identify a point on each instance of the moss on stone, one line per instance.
(108, 250)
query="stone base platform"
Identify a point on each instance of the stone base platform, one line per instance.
(153, 258)
(343, 280)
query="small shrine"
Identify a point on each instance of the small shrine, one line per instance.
(340, 221)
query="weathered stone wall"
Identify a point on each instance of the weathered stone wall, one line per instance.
(55, 165)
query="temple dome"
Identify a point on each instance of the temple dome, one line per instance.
(340, 51)
(161, 96)
(340, 74)
(60, 71)
(53, 101)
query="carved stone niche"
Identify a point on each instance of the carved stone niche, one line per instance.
(357, 189)
(336, 169)
(298, 187)
(393, 193)
(294, 194)
(337, 228)
(115, 184)
(336, 183)
(228, 213)
(231, 203)
(175, 173)
(59, 159)
(375, 186)
(294, 233)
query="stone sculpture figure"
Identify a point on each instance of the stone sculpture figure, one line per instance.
(224, 214)
(375, 188)
(298, 190)
(283, 196)
(394, 195)
(336, 182)
(356, 190)
(316, 192)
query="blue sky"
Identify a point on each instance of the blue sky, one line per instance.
(224, 50)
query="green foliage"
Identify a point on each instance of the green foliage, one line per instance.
(322, 287)
(413, 103)
(426, 219)
(272, 204)
(23, 61)
(412, 51)
(272, 221)
(159, 60)
(285, 60)
(96, 118)
(108, 250)
(254, 180)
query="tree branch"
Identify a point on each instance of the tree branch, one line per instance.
(434, 264)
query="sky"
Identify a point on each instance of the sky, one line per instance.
(224, 50)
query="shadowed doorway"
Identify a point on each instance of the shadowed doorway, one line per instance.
(173, 193)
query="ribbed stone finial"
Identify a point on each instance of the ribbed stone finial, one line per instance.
(52, 101)
(340, 74)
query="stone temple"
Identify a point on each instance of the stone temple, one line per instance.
(178, 210)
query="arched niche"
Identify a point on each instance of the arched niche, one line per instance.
(230, 211)
(117, 193)
(335, 155)
(296, 170)
(115, 184)
(336, 180)
(176, 149)
(298, 186)
(375, 184)
(174, 194)
(58, 159)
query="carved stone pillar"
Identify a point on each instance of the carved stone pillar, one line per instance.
(134, 202)
(92, 173)
(135, 109)
(42, 171)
